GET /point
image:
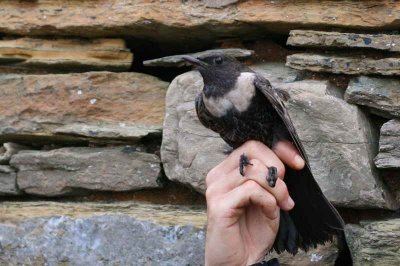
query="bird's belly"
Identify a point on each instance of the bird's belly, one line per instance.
(250, 127)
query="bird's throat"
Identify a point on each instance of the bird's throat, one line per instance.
(238, 98)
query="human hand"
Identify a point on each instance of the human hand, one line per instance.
(243, 212)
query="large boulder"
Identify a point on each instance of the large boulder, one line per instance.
(190, 21)
(92, 105)
(330, 129)
(374, 242)
(71, 170)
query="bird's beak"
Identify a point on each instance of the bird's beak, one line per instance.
(194, 61)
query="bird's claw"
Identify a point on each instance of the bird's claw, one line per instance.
(272, 176)
(243, 162)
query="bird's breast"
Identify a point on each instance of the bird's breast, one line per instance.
(239, 98)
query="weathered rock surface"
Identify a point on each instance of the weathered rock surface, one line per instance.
(91, 105)
(69, 170)
(219, 4)
(8, 181)
(375, 243)
(310, 38)
(389, 146)
(104, 237)
(332, 131)
(381, 96)
(124, 233)
(177, 61)
(9, 149)
(66, 54)
(177, 20)
(344, 64)
(329, 127)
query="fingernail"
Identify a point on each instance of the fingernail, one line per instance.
(290, 202)
(299, 162)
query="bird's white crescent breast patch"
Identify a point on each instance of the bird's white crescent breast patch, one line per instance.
(239, 97)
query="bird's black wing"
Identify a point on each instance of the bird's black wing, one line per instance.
(314, 219)
(275, 97)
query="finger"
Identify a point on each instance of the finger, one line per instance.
(249, 193)
(256, 172)
(289, 155)
(253, 150)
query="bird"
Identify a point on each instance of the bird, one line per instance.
(242, 105)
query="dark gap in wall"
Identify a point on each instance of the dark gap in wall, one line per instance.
(354, 216)
(267, 48)
(171, 193)
(146, 50)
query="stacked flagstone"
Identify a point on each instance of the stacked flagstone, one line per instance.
(361, 55)
(95, 104)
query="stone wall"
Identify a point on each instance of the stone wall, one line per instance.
(102, 157)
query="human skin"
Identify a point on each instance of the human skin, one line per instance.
(243, 211)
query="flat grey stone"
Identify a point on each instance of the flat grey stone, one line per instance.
(65, 55)
(316, 39)
(331, 130)
(219, 3)
(381, 96)
(106, 239)
(374, 242)
(389, 146)
(109, 131)
(69, 170)
(177, 61)
(129, 233)
(347, 64)
(8, 181)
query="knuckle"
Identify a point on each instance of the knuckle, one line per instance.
(252, 185)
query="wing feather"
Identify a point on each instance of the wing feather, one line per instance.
(275, 97)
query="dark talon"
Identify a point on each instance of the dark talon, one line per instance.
(243, 162)
(272, 176)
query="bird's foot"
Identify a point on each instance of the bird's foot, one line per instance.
(243, 162)
(272, 176)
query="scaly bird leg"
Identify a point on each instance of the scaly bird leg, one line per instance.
(243, 162)
(272, 176)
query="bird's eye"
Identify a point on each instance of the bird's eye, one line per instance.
(218, 60)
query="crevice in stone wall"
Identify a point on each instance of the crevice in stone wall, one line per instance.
(171, 193)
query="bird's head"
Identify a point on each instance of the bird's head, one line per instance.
(219, 72)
